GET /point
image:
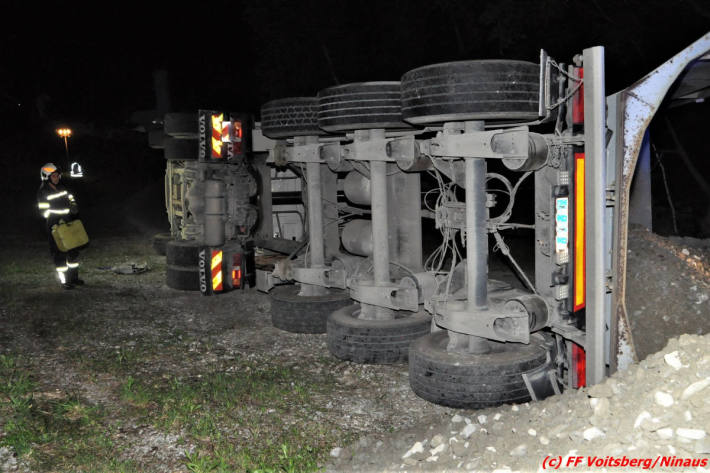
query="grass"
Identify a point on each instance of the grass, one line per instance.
(255, 418)
(236, 420)
(53, 433)
(228, 414)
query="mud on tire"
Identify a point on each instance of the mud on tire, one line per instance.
(374, 341)
(474, 381)
(304, 314)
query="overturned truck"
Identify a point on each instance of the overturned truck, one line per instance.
(470, 341)
(470, 147)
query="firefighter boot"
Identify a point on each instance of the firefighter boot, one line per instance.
(63, 276)
(73, 277)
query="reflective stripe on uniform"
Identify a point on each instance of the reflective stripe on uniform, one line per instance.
(57, 195)
(48, 212)
(43, 205)
(72, 265)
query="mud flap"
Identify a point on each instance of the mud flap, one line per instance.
(542, 382)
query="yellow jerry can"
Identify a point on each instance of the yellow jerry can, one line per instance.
(70, 235)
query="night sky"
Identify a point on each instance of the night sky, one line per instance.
(77, 63)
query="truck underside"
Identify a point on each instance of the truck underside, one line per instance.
(469, 155)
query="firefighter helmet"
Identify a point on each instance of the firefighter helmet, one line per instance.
(47, 171)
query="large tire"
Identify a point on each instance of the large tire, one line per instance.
(177, 149)
(184, 278)
(155, 139)
(474, 381)
(374, 341)
(160, 242)
(471, 90)
(361, 106)
(181, 125)
(183, 253)
(304, 314)
(289, 117)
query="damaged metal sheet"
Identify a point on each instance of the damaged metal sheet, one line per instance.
(638, 105)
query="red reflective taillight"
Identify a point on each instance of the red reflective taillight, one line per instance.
(237, 271)
(579, 364)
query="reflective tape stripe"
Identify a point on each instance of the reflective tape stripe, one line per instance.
(48, 212)
(73, 265)
(57, 195)
(43, 205)
(71, 197)
(62, 269)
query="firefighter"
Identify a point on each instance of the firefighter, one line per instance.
(56, 203)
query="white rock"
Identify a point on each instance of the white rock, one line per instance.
(467, 420)
(497, 416)
(641, 417)
(673, 360)
(519, 451)
(482, 419)
(544, 440)
(665, 434)
(416, 448)
(663, 399)
(685, 252)
(437, 440)
(702, 446)
(691, 434)
(601, 408)
(468, 430)
(456, 419)
(432, 459)
(335, 453)
(515, 408)
(672, 450)
(687, 416)
(532, 432)
(695, 388)
(491, 449)
(592, 433)
(439, 449)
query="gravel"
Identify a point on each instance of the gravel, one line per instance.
(656, 409)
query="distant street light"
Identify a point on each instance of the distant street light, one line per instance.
(65, 133)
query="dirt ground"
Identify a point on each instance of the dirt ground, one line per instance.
(75, 342)
(94, 344)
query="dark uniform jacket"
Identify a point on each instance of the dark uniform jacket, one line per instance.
(55, 205)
